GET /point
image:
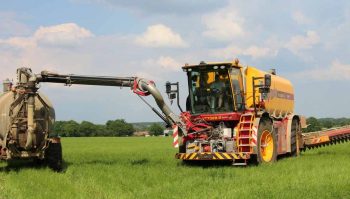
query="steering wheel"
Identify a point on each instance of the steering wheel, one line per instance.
(215, 91)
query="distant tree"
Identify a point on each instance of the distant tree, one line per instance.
(313, 125)
(156, 129)
(327, 124)
(70, 129)
(87, 129)
(101, 131)
(58, 128)
(119, 128)
(342, 121)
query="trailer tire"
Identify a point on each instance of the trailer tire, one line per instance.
(53, 156)
(294, 137)
(182, 146)
(267, 143)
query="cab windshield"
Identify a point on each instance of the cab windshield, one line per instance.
(211, 90)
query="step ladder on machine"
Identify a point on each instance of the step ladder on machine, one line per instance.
(245, 137)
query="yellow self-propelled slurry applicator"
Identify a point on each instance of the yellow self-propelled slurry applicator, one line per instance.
(243, 113)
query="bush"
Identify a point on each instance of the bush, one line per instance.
(156, 129)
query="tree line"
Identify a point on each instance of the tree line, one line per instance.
(120, 128)
(112, 128)
(315, 124)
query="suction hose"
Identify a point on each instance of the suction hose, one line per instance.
(148, 86)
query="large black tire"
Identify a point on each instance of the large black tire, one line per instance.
(293, 137)
(53, 156)
(265, 131)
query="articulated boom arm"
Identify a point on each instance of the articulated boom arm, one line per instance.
(70, 79)
(131, 82)
(140, 86)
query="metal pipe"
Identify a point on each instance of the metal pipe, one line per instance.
(150, 87)
(146, 85)
(30, 121)
(156, 112)
(30, 80)
(46, 76)
(178, 97)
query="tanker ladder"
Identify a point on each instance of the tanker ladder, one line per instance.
(324, 138)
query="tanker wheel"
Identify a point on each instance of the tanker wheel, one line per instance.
(267, 143)
(182, 146)
(53, 156)
(294, 138)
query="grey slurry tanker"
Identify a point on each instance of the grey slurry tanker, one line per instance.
(26, 119)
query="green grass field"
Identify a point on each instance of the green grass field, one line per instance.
(146, 168)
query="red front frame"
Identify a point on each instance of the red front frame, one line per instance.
(193, 126)
(218, 117)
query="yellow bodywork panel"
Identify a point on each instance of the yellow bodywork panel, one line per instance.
(279, 102)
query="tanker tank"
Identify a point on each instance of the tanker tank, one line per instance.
(279, 102)
(16, 126)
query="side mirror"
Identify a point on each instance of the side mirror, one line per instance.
(168, 88)
(264, 89)
(267, 80)
(172, 94)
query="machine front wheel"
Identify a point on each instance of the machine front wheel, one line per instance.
(267, 143)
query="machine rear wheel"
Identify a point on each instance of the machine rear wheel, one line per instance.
(267, 143)
(53, 156)
(294, 138)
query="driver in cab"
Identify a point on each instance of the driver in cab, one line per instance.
(218, 90)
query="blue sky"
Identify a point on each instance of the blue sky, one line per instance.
(306, 41)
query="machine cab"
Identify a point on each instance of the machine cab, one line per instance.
(214, 88)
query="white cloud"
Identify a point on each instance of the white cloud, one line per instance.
(62, 35)
(147, 8)
(155, 68)
(43, 50)
(270, 48)
(223, 25)
(339, 36)
(160, 35)
(259, 52)
(253, 51)
(67, 34)
(300, 18)
(337, 71)
(21, 42)
(169, 63)
(299, 42)
(10, 26)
